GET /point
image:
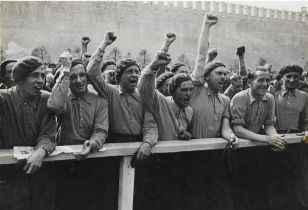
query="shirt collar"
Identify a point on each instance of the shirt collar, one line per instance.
(253, 99)
(210, 92)
(134, 94)
(33, 102)
(85, 97)
(175, 107)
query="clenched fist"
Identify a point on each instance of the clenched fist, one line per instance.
(240, 50)
(210, 19)
(85, 40)
(170, 37)
(109, 38)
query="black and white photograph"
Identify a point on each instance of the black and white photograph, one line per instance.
(154, 105)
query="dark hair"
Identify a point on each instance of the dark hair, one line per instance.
(175, 67)
(291, 68)
(163, 77)
(107, 63)
(252, 75)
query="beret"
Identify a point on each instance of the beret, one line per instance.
(291, 68)
(176, 81)
(209, 67)
(25, 66)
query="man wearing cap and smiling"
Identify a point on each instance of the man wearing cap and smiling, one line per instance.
(26, 121)
(82, 118)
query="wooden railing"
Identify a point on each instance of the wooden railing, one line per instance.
(126, 150)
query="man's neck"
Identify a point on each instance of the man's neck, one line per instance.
(212, 89)
(284, 88)
(256, 96)
(80, 95)
(128, 91)
(23, 94)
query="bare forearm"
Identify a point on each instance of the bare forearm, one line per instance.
(270, 130)
(247, 134)
(201, 53)
(242, 67)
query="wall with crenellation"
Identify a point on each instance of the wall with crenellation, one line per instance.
(281, 37)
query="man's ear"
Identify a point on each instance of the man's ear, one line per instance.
(206, 78)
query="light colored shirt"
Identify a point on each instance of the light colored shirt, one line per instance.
(209, 110)
(26, 122)
(80, 118)
(291, 110)
(252, 113)
(127, 114)
(169, 117)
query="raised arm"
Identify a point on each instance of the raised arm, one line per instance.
(58, 98)
(146, 84)
(94, 67)
(84, 44)
(242, 68)
(203, 45)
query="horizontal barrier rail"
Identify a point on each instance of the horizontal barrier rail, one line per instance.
(128, 149)
(127, 173)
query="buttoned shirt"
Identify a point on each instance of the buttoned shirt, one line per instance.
(127, 114)
(169, 117)
(209, 110)
(252, 113)
(291, 110)
(26, 121)
(79, 118)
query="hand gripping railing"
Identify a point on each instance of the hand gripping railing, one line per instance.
(126, 150)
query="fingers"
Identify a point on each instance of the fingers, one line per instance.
(211, 19)
(111, 36)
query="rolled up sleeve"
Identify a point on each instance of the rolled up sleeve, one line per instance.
(238, 110)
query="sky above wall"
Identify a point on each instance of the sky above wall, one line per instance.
(282, 5)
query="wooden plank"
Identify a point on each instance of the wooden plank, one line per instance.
(125, 149)
(126, 184)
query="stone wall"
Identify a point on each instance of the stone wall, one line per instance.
(281, 37)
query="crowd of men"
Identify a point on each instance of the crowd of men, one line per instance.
(91, 101)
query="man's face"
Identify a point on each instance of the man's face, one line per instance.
(290, 80)
(260, 84)
(33, 83)
(110, 74)
(78, 80)
(183, 93)
(8, 76)
(216, 79)
(182, 69)
(129, 79)
(164, 87)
